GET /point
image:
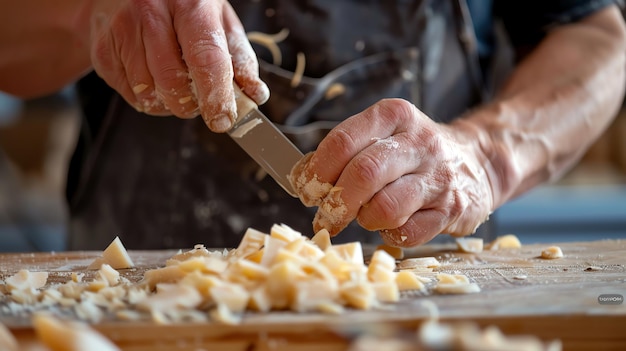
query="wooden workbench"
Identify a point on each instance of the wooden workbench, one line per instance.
(521, 294)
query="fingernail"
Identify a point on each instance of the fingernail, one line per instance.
(262, 93)
(220, 123)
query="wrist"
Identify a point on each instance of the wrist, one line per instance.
(482, 133)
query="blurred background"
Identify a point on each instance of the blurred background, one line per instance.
(37, 138)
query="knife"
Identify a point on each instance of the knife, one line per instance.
(263, 141)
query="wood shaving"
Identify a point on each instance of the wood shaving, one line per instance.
(509, 241)
(139, 88)
(551, 253)
(26, 280)
(470, 245)
(299, 71)
(419, 262)
(270, 41)
(334, 90)
(455, 284)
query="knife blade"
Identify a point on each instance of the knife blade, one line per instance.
(263, 141)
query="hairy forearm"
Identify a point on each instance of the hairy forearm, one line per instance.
(43, 45)
(556, 104)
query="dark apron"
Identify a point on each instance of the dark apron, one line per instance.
(170, 183)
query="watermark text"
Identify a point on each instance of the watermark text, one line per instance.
(611, 299)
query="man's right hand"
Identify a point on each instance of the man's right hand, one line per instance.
(175, 57)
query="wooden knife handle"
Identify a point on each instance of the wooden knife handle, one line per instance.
(244, 103)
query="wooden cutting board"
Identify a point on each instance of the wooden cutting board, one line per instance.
(557, 299)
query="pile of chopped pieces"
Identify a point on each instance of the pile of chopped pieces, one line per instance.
(282, 270)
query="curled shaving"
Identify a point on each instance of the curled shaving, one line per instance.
(299, 71)
(270, 41)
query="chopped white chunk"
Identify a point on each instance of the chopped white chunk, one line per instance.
(115, 255)
(552, 252)
(61, 335)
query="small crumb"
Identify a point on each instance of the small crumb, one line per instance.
(139, 88)
(334, 90)
(395, 252)
(457, 288)
(520, 277)
(184, 100)
(552, 252)
(470, 245)
(593, 269)
(509, 241)
(425, 262)
(455, 284)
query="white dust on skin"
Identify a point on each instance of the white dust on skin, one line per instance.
(389, 143)
(193, 89)
(152, 105)
(310, 189)
(216, 101)
(393, 238)
(313, 192)
(183, 101)
(331, 213)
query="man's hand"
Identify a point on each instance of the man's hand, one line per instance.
(175, 57)
(395, 170)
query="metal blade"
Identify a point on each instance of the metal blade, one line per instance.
(267, 145)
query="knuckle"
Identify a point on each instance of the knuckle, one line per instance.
(171, 80)
(396, 110)
(149, 14)
(101, 56)
(366, 170)
(103, 53)
(459, 204)
(340, 140)
(206, 53)
(387, 209)
(437, 143)
(148, 11)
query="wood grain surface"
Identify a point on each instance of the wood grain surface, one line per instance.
(557, 299)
